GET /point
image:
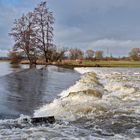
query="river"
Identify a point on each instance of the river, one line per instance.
(87, 103)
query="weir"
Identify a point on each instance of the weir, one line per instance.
(35, 120)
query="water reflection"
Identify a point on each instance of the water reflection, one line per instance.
(15, 66)
(23, 92)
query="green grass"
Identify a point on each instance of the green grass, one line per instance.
(87, 63)
(4, 60)
(106, 63)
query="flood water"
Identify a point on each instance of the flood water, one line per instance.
(23, 90)
(87, 103)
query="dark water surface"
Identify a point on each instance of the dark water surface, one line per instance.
(23, 90)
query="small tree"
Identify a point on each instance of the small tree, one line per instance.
(60, 54)
(135, 54)
(89, 54)
(15, 57)
(44, 29)
(99, 54)
(57, 54)
(75, 53)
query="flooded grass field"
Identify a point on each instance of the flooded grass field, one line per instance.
(87, 103)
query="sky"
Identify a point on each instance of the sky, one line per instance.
(109, 25)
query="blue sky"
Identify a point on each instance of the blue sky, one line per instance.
(112, 25)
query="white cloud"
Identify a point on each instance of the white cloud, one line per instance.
(3, 53)
(115, 43)
(114, 47)
(109, 46)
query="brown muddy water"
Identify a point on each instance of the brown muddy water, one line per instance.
(87, 103)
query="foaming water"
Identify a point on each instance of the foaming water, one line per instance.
(103, 104)
(77, 101)
(105, 101)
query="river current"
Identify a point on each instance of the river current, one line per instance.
(87, 103)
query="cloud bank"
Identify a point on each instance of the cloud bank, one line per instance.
(97, 24)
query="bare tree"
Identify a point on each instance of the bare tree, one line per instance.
(33, 34)
(15, 57)
(135, 54)
(75, 53)
(44, 29)
(24, 36)
(99, 54)
(58, 54)
(89, 54)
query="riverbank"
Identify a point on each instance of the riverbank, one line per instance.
(85, 63)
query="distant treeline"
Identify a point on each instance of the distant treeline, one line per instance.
(76, 54)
